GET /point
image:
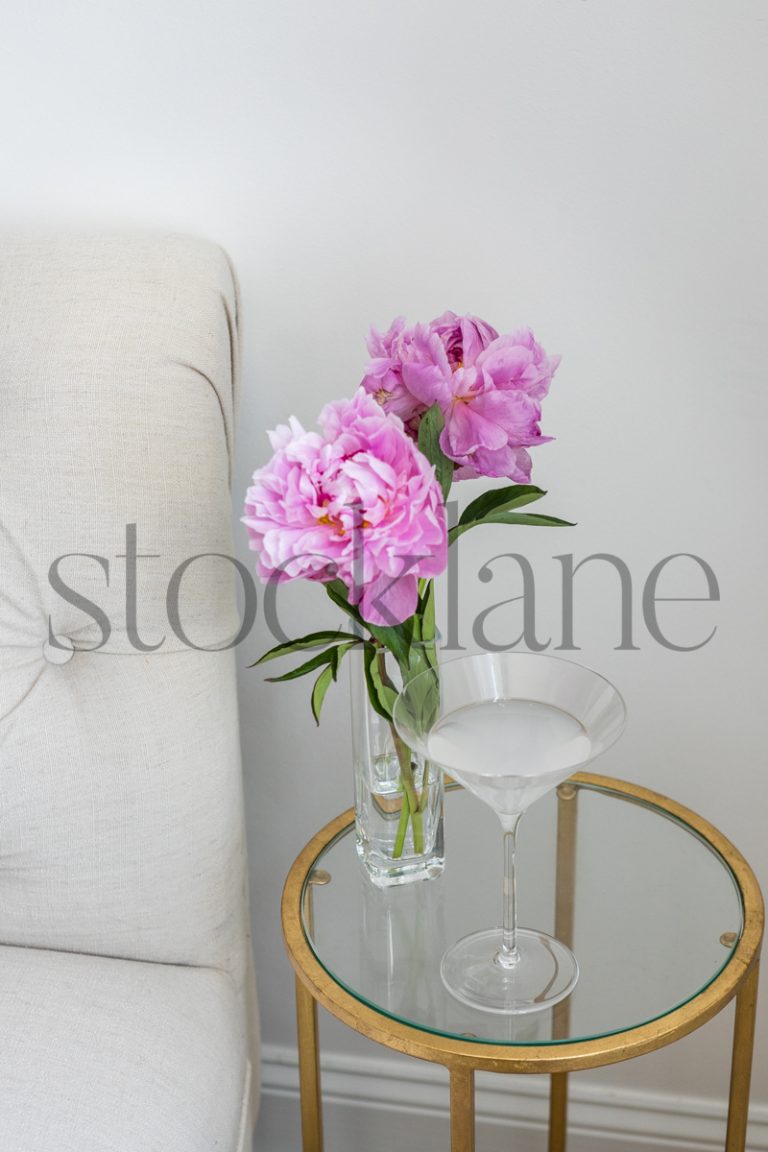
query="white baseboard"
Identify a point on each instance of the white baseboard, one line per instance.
(381, 1102)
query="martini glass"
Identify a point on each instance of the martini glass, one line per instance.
(510, 727)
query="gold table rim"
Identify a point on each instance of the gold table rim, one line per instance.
(552, 1057)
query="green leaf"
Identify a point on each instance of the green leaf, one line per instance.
(312, 640)
(427, 614)
(429, 442)
(328, 657)
(332, 656)
(500, 499)
(381, 695)
(522, 518)
(322, 684)
(337, 590)
(423, 697)
(397, 639)
(340, 652)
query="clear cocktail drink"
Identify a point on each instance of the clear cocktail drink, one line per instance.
(509, 752)
(509, 727)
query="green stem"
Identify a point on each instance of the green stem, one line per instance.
(413, 805)
(425, 784)
(430, 661)
(402, 828)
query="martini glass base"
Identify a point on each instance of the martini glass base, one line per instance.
(545, 973)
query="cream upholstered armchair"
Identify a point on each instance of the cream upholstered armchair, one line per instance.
(127, 1017)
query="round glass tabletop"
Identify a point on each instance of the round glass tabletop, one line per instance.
(650, 908)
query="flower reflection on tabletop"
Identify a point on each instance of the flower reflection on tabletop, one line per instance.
(360, 507)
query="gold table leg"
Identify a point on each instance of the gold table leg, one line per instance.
(309, 1050)
(558, 1111)
(741, 1062)
(567, 795)
(462, 1110)
(309, 1071)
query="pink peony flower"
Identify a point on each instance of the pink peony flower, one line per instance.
(517, 363)
(383, 377)
(463, 337)
(490, 406)
(489, 389)
(357, 501)
(424, 352)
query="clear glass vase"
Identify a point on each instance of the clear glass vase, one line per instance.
(398, 796)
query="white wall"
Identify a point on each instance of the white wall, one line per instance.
(597, 169)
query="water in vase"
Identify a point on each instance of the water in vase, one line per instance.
(509, 752)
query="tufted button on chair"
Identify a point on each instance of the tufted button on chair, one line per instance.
(127, 1015)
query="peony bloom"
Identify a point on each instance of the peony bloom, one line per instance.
(488, 387)
(463, 337)
(490, 404)
(424, 352)
(357, 501)
(517, 363)
(383, 375)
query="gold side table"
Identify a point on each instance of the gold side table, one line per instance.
(664, 915)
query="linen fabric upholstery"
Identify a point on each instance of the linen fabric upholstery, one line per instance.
(111, 1055)
(121, 818)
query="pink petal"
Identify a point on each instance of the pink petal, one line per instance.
(428, 383)
(387, 601)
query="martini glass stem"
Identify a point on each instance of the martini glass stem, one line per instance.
(509, 956)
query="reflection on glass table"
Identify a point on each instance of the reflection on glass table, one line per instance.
(651, 906)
